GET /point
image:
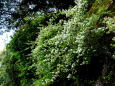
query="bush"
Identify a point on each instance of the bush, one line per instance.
(73, 47)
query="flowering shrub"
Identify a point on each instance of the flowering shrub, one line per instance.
(65, 52)
(73, 47)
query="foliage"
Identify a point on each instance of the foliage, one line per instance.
(18, 61)
(30, 6)
(73, 47)
(67, 54)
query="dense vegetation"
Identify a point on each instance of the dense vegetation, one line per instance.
(68, 47)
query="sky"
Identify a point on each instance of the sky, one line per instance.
(5, 35)
(5, 38)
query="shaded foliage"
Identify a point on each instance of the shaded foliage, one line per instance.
(18, 62)
(29, 6)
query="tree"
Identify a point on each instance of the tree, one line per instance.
(28, 6)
